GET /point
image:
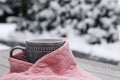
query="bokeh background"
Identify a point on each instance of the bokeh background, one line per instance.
(92, 27)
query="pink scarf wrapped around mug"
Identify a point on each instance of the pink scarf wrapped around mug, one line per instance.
(57, 65)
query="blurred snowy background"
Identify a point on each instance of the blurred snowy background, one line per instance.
(91, 26)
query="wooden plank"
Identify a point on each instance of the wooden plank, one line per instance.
(4, 57)
(104, 77)
(3, 70)
(102, 70)
(4, 64)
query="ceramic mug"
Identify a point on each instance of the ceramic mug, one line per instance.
(35, 49)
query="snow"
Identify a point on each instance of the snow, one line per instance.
(78, 44)
(6, 29)
(55, 5)
(2, 0)
(108, 51)
(45, 14)
(97, 32)
(4, 47)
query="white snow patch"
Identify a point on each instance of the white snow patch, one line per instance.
(108, 51)
(4, 47)
(6, 29)
(78, 44)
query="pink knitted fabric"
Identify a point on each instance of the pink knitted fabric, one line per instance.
(57, 65)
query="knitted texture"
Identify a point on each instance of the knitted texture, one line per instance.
(57, 65)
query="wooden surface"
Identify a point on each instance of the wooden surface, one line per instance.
(4, 64)
(101, 70)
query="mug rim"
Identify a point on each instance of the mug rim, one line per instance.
(44, 41)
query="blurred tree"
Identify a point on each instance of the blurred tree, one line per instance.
(96, 19)
(5, 10)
